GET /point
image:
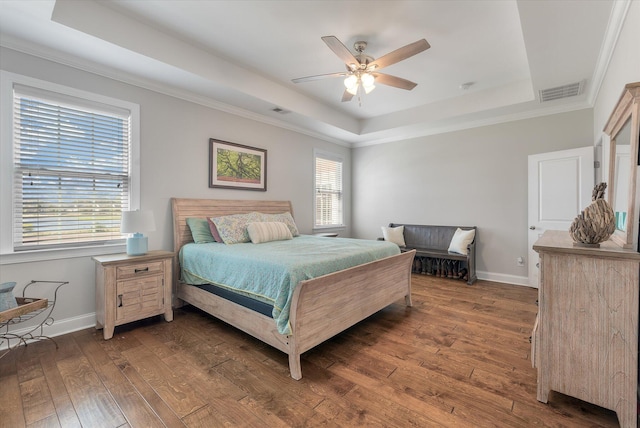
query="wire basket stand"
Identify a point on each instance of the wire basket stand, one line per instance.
(28, 308)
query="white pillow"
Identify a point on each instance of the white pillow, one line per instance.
(268, 231)
(461, 240)
(394, 234)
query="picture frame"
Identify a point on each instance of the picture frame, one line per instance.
(236, 166)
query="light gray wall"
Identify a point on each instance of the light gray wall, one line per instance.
(174, 162)
(475, 177)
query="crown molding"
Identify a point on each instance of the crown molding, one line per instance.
(614, 28)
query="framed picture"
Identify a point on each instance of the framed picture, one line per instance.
(234, 166)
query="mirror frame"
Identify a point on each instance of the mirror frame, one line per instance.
(627, 109)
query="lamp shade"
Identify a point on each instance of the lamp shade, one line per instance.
(137, 221)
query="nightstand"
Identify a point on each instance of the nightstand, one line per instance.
(130, 288)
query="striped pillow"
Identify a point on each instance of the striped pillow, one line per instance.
(285, 218)
(268, 231)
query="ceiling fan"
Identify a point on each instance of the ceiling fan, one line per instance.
(362, 69)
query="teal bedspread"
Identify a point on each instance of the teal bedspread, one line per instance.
(270, 271)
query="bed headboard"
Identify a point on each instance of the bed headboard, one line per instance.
(203, 208)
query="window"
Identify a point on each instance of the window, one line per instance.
(328, 191)
(72, 167)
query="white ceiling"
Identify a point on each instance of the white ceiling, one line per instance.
(240, 56)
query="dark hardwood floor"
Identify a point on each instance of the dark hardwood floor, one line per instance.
(459, 357)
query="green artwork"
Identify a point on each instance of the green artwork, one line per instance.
(238, 166)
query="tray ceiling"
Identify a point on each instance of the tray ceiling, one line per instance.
(240, 56)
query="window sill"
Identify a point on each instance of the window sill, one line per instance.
(329, 231)
(57, 254)
(327, 228)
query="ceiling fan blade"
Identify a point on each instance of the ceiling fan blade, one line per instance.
(399, 54)
(318, 77)
(396, 82)
(341, 50)
(346, 96)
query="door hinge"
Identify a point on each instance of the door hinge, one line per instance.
(596, 164)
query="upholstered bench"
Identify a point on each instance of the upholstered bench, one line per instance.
(433, 244)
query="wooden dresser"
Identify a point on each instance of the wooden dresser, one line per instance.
(585, 340)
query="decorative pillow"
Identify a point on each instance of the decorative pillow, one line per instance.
(394, 234)
(268, 231)
(461, 240)
(285, 218)
(200, 230)
(233, 228)
(214, 231)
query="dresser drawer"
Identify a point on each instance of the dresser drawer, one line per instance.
(138, 269)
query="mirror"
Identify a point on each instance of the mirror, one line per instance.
(623, 130)
(622, 168)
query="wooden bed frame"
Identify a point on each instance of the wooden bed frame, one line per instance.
(357, 292)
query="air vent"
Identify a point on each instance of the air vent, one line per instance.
(570, 90)
(280, 110)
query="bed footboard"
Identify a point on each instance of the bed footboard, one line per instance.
(325, 306)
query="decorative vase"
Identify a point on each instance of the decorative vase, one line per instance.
(7, 301)
(596, 223)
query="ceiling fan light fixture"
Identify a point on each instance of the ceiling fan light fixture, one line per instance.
(367, 80)
(351, 81)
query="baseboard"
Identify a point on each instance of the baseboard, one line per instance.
(501, 277)
(58, 328)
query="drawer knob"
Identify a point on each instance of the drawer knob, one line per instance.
(141, 270)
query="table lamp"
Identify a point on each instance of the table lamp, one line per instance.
(137, 222)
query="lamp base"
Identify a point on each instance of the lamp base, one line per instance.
(137, 245)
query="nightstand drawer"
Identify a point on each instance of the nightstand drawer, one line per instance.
(138, 269)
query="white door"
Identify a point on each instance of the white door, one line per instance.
(560, 186)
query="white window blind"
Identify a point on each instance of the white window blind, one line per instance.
(72, 170)
(328, 191)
